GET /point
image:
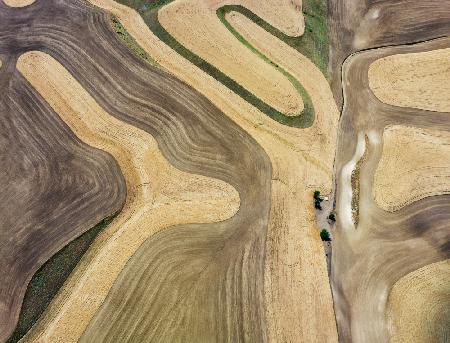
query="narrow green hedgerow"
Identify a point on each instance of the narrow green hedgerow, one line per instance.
(47, 281)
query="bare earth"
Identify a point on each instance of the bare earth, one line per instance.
(158, 194)
(419, 80)
(415, 163)
(419, 305)
(196, 26)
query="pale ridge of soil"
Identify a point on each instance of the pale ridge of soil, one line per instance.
(415, 164)
(427, 289)
(158, 196)
(295, 264)
(419, 80)
(18, 3)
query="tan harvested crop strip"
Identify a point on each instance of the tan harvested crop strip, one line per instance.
(419, 305)
(158, 196)
(18, 3)
(285, 15)
(195, 25)
(419, 80)
(298, 298)
(415, 164)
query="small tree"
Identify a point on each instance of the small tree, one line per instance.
(325, 235)
(332, 216)
(317, 204)
(317, 200)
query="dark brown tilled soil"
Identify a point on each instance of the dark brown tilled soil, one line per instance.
(53, 188)
(192, 283)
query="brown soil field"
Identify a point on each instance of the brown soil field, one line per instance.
(417, 80)
(428, 290)
(158, 195)
(368, 259)
(195, 25)
(295, 264)
(415, 163)
(204, 260)
(364, 24)
(54, 188)
(18, 3)
(215, 236)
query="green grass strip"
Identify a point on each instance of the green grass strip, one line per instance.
(149, 13)
(47, 281)
(131, 42)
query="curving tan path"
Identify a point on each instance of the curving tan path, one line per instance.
(418, 80)
(18, 3)
(295, 270)
(415, 163)
(195, 25)
(427, 289)
(158, 196)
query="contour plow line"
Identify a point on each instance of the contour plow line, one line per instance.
(295, 269)
(159, 196)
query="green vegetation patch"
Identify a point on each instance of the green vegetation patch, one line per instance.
(131, 42)
(149, 12)
(47, 281)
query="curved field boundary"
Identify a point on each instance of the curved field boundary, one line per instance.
(307, 115)
(150, 15)
(295, 263)
(158, 196)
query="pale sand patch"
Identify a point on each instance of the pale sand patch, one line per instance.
(195, 25)
(296, 285)
(415, 164)
(18, 3)
(158, 196)
(419, 80)
(285, 15)
(419, 305)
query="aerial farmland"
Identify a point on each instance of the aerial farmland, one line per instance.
(202, 171)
